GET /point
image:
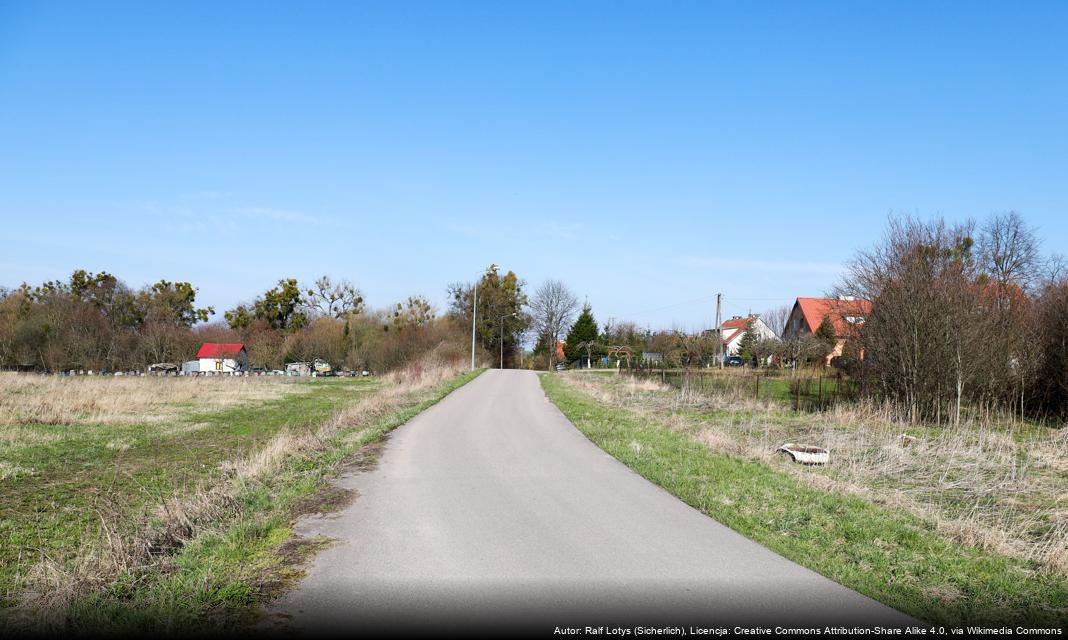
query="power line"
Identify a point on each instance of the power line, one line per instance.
(670, 306)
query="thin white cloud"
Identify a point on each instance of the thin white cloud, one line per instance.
(550, 229)
(196, 211)
(562, 231)
(277, 215)
(466, 230)
(765, 266)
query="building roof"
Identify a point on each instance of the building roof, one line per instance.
(219, 350)
(815, 309)
(734, 328)
(738, 333)
(737, 322)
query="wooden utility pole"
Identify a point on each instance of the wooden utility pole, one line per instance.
(719, 336)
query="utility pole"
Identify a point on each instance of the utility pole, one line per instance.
(719, 335)
(474, 314)
(501, 320)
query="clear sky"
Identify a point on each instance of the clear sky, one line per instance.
(650, 154)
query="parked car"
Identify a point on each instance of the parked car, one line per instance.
(561, 366)
(734, 361)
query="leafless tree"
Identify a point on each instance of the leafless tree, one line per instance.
(777, 317)
(333, 299)
(1048, 396)
(552, 310)
(1009, 250)
(1055, 269)
(950, 317)
(414, 311)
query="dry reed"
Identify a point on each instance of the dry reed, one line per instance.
(55, 400)
(999, 487)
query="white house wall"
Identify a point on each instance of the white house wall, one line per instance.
(762, 330)
(229, 365)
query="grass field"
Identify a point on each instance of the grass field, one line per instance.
(952, 527)
(142, 504)
(811, 390)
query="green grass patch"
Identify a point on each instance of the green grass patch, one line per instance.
(220, 580)
(891, 556)
(84, 473)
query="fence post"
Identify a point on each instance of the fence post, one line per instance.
(797, 395)
(821, 392)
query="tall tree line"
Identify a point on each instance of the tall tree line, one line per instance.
(94, 321)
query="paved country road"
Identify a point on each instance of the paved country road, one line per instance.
(490, 511)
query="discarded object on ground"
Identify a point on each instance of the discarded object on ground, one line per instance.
(906, 440)
(805, 454)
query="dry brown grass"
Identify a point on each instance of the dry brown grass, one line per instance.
(50, 587)
(1000, 487)
(37, 399)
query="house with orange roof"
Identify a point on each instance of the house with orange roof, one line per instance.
(846, 314)
(560, 357)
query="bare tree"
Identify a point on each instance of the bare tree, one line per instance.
(1055, 269)
(414, 311)
(552, 310)
(1009, 250)
(1049, 393)
(333, 299)
(948, 328)
(777, 317)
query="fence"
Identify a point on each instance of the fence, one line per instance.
(808, 390)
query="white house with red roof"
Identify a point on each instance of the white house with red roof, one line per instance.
(732, 331)
(215, 357)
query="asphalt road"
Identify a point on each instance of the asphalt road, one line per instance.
(491, 512)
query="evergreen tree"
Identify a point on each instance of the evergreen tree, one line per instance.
(584, 330)
(747, 345)
(825, 332)
(826, 337)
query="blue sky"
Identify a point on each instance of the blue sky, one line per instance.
(650, 155)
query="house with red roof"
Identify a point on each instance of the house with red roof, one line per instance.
(560, 357)
(732, 331)
(846, 315)
(218, 358)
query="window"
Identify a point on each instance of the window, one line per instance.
(218, 365)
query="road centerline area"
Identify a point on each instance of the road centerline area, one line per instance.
(490, 510)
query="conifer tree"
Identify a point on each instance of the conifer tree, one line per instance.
(584, 330)
(747, 345)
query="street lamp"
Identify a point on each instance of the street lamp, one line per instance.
(501, 319)
(474, 311)
(474, 315)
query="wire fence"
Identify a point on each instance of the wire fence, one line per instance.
(803, 391)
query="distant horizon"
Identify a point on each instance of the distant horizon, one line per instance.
(649, 157)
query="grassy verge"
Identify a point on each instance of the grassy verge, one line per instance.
(887, 554)
(78, 478)
(216, 552)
